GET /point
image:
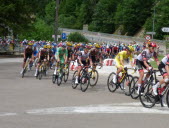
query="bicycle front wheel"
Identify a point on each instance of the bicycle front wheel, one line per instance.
(110, 84)
(127, 84)
(134, 88)
(23, 73)
(167, 98)
(40, 75)
(84, 83)
(74, 86)
(94, 75)
(146, 96)
(59, 79)
(54, 78)
(66, 76)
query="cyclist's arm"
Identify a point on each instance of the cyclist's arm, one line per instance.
(66, 55)
(121, 59)
(156, 59)
(57, 55)
(80, 58)
(145, 59)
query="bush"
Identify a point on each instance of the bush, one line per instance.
(77, 37)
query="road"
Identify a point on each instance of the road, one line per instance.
(31, 103)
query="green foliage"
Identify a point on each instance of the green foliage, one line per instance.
(77, 37)
(161, 18)
(36, 19)
(132, 14)
(103, 16)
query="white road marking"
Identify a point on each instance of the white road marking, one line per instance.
(8, 114)
(10, 60)
(102, 109)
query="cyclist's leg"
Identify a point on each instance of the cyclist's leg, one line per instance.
(141, 74)
(78, 73)
(165, 79)
(38, 65)
(23, 65)
(120, 68)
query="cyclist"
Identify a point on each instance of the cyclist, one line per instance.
(83, 60)
(164, 70)
(43, 56)
(142, 62)
(61, 56)
(95, 56)
(28, 53)
(51, 56)
(70, 51)
(119, 60)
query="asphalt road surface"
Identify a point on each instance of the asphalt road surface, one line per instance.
(31, 103)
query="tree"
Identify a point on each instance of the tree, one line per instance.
(132, 14)
(103, 16)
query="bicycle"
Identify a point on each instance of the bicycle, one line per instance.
(94, 75)
(146, 96)
(124, 79)
(62, 72)
(25, 69)
(42, 70)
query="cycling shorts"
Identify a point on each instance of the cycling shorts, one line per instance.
(140, 65)
(162, 69)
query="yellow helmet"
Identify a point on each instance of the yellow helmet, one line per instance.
(45, 46)
(97, 46)
(48, 46)
(69, 44)
(131, 48)
(30, 43)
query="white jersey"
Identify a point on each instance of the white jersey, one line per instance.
(145, 55)
(83, 56)
(165, 60)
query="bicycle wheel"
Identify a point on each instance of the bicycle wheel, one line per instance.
(167, 98)
(84, 83)
(94, 75)
(74, 86)
(146, 96)
(66, 76)
(54, 77)
(110, 84)
(134, 88)
(23, 73)
(40, 75)
(59, 79)
(127, 83)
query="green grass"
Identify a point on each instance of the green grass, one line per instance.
(154, 64)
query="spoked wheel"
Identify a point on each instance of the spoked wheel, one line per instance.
(134, 88)
(54, 77)
(66, 76)
(110, 84)
(94, 75)
(59, 79)
(23, 73)
(127, 84)
(167, 98)
(40, 75)
(37, 76)
(84, 83)
(74, 86)
(146, 96)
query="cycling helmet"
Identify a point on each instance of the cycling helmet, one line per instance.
(130, 48)
(69, 44)
(30, 43)
(152, 44)
(45, 46)
(97, 45)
